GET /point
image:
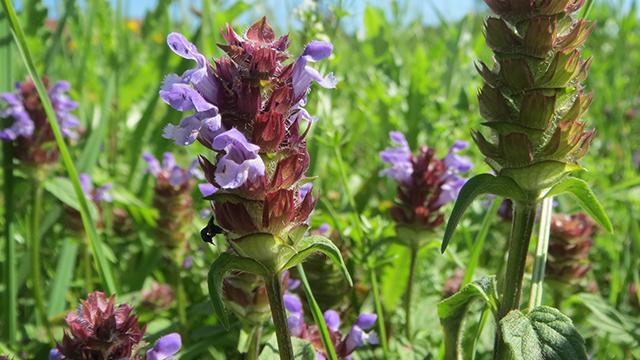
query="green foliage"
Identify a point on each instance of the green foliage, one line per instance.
(544, 333)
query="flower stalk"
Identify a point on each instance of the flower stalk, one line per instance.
(409, 293)
(540, 261)
(521, 230)
(279, 315)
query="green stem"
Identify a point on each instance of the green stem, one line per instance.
(274, 292)
(382, 331)
(521, 229)
(537, 281)
(11, 279)
(318, 316)
(87, 266)
(181, 298)
(35, 255)
(409, 293)
(254, 346)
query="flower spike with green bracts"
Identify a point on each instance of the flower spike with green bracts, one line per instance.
(248, 108)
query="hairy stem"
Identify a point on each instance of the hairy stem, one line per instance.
(279, 316)
(537, 276)
(35, 255)
(521, 229)
(409, 293)
(10, 271)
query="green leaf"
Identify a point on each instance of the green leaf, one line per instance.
(317, 243)
(545, 333)
(63, 277)
(453, 309)
(474, 187)
(302, 350)
(585, 197)
(223, 264)
(62, 189)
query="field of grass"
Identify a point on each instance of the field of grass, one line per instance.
(394, 73)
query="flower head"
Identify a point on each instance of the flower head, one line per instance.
(569, 245)
(533, 98)
(248, 107)
(172, 197)
(425, 183)
(100, 329)
(30, 127)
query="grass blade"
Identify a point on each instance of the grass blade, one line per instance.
(10, 281)
(478, 244)
(63, 277)
(103, 266)
(318, 316)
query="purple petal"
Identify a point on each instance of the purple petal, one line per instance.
(178, 176)
(153, 165)
(185, 133)
(85, 183)
(165, 347)
(304, 190)
(317, 50)
(182, 47)
(55, 354)
(323, 229)
(182, 96)
(292, 303)
(398, 138)
(455, 162)
(332, 318)
(450, 189)
(366, 320)
(240, 162)
(398, 157)
(168, 161)
(296, 324)
(207, 189)
(102, 194)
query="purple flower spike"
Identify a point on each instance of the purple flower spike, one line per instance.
(169, 173)
(165, 347)
(303, 74)
(240, 162)
(398, 157)
(332, 318)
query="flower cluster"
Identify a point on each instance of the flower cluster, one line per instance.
(158, 296)
(344, 345)
(425, 183)
(98, 195)
(248, 108)
(172, 198)
(101, 330)
(569, 245)
(30, 128)
(533, 98)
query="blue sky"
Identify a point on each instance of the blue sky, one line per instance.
(425, 9)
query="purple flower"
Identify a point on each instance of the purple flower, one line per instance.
(240, 162)
(165, 347)
(455, 164)
(169, 172)
(29, 115)
(303, 74)
(194, 90)
(207, 189)
(332, 318)
(97, 195)
(358, 336)
(54, 354)
(399, 157)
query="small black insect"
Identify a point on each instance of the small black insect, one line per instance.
(210, 231)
